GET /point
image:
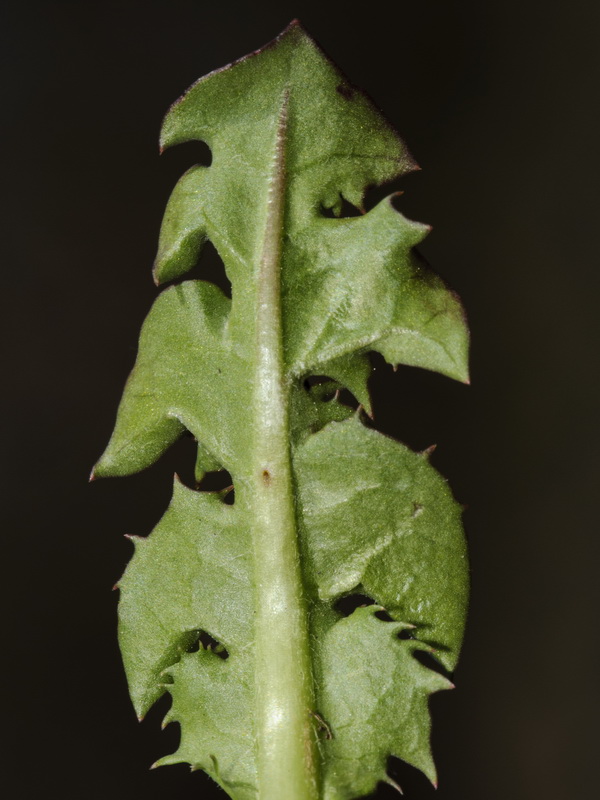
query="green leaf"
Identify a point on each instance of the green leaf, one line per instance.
(234, 609)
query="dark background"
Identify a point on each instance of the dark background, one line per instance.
(498, 103)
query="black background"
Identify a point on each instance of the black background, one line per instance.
(497, 101)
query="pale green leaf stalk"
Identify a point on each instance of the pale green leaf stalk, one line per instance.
(291, 699)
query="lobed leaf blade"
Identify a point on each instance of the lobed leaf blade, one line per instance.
(393, 528)
(370, 516)
(363, 657)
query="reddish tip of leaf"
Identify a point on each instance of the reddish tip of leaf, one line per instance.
(293, 25)
(429, 450)
(115, 587)
(93, 475)
(140, 717)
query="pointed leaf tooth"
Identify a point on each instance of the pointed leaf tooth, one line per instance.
(223, 493)
(165, 761)
(168, 719)
(403, 626)
(391, 782)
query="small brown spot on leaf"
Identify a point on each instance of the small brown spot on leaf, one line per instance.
(266, 476)
(417, 509)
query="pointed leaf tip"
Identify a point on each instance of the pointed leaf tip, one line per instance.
(295, 23)
(295, 26)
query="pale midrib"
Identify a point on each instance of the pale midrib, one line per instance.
(286, 748)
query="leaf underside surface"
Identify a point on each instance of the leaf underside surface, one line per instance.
(290, 141)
